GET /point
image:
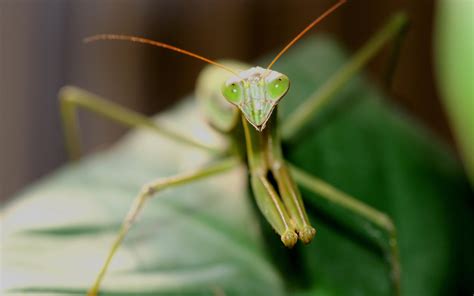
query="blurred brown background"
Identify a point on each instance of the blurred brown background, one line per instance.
(41, 50)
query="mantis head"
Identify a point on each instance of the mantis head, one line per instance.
(256, 92)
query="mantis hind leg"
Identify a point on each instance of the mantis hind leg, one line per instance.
(72, 98)
(394, 29)
(145, 194)
(388, 241)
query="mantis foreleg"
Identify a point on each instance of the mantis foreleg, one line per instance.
(281, 205)
(289, 192)
(266, 195)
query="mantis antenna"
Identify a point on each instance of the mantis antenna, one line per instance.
(158, 44)
(298, 37)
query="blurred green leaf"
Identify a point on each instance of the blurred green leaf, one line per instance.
(454, 39)
(206, 239)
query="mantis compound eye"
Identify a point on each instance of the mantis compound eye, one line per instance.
(278, 87)
(233, 92)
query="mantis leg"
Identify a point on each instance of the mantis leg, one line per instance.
(298, 118)
(266, 196)
(148, 192)
(72, 98)
(289, 192)
(281, 204)
(382, 221)
(272, 207)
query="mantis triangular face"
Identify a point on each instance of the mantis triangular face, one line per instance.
(256, 92)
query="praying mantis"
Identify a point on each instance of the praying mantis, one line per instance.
(242, 102)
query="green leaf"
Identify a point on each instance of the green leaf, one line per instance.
(455, 70)
(206, 239)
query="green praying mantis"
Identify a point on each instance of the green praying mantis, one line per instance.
(242, 102)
